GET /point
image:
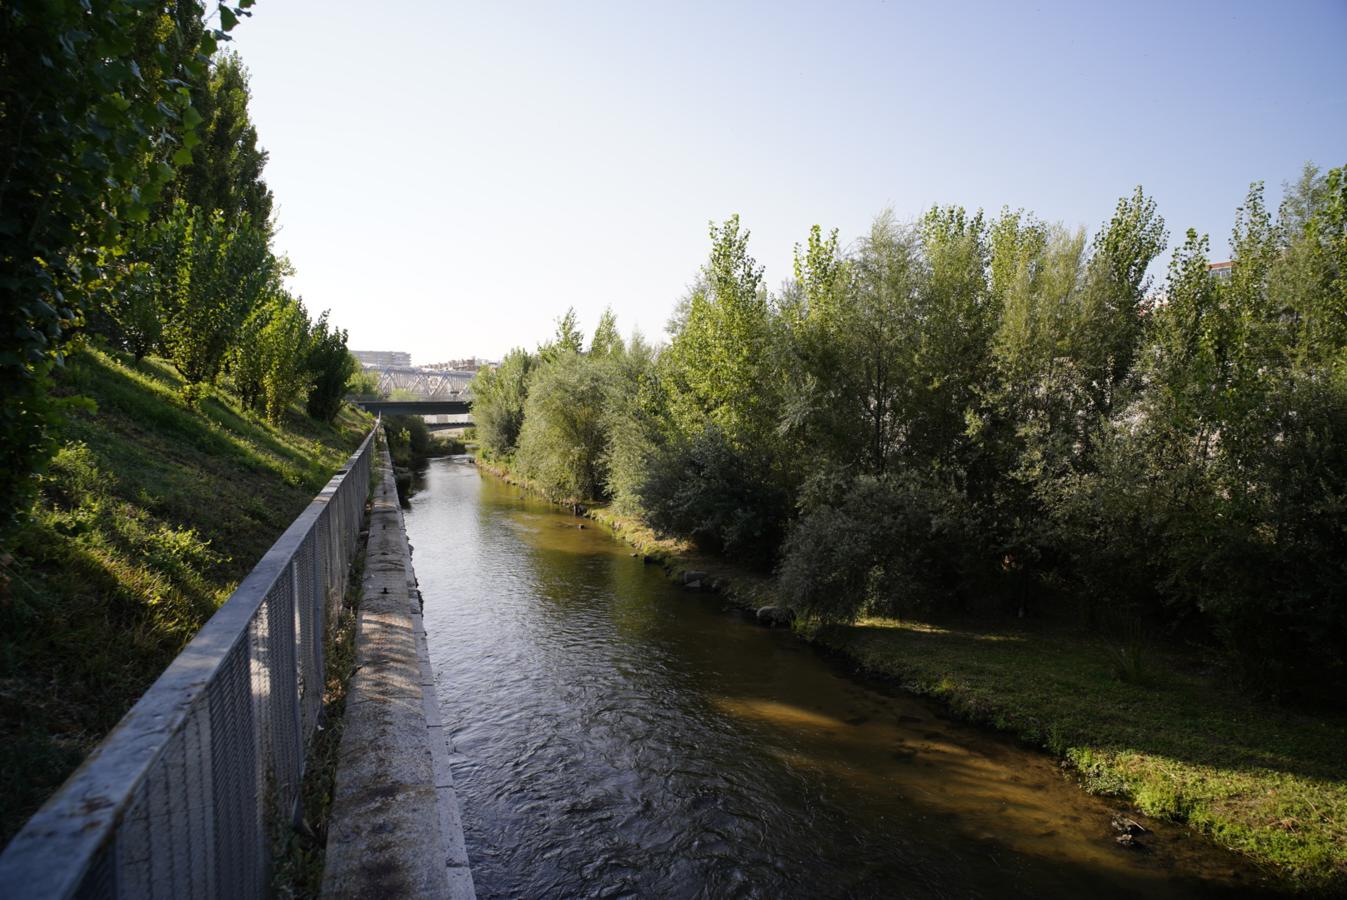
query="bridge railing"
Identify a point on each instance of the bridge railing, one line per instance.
(183, 797)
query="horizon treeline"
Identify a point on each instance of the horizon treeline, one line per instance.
(972, 415)
(134, 214)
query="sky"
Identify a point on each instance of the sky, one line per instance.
(450, 177)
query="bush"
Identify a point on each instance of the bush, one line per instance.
(722, 497)
(886, 545)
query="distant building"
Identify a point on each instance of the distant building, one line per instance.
(470, 364)
(382, 358)
(1221, 271)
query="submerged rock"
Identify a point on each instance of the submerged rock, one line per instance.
(1127, 827)
(776, 616)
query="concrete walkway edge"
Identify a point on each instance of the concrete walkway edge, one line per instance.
(395, 828)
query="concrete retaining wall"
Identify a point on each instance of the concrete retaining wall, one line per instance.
(395, 829)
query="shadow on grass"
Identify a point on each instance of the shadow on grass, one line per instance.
(1059, 690)
(147, 394)
(134, 541)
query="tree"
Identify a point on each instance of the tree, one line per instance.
(284, 344)
(498, 397)
(721, 392)
(633, 419)
(270, 361)
(215, 276)
(1310, 274)
(569, 338)
(362, 383)
(606, 340)
(330, 366)
(1108, 328)
(93, 118)
(563, 441)
(225, 171)
(718, 365)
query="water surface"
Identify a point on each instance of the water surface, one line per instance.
(616, 736)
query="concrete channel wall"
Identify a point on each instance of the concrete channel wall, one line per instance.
(395, 829)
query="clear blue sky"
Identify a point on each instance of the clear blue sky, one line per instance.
(451, 176)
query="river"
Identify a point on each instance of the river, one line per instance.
(613, 735)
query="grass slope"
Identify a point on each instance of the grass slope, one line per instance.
(149, 515)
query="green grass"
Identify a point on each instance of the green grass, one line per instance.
(149, 515)
(1269, 783)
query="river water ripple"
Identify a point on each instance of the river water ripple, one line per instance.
(615, 736)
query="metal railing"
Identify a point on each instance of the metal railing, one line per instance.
(181, 798)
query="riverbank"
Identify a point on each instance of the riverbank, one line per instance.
(149, 515)
(1267, 783)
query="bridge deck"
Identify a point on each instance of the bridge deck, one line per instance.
(416, 407)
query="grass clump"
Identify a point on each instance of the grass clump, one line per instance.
(149, 515)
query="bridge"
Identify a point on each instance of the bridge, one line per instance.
(416, 407)
(427, 384)
(437, 413)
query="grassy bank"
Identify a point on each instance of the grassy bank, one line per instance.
(149, 515)
(1266, 782)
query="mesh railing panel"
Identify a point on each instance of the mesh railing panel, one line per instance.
(179, 800)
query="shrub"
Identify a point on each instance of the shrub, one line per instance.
(888, 545)
(722, 497)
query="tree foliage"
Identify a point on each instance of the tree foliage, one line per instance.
(131, 200)
(564, 435)
(330, 368)
(94, 114)
(971, 413)
(498, 397)
(214, 276)
(225, 172)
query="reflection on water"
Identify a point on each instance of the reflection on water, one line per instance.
(615, 736)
